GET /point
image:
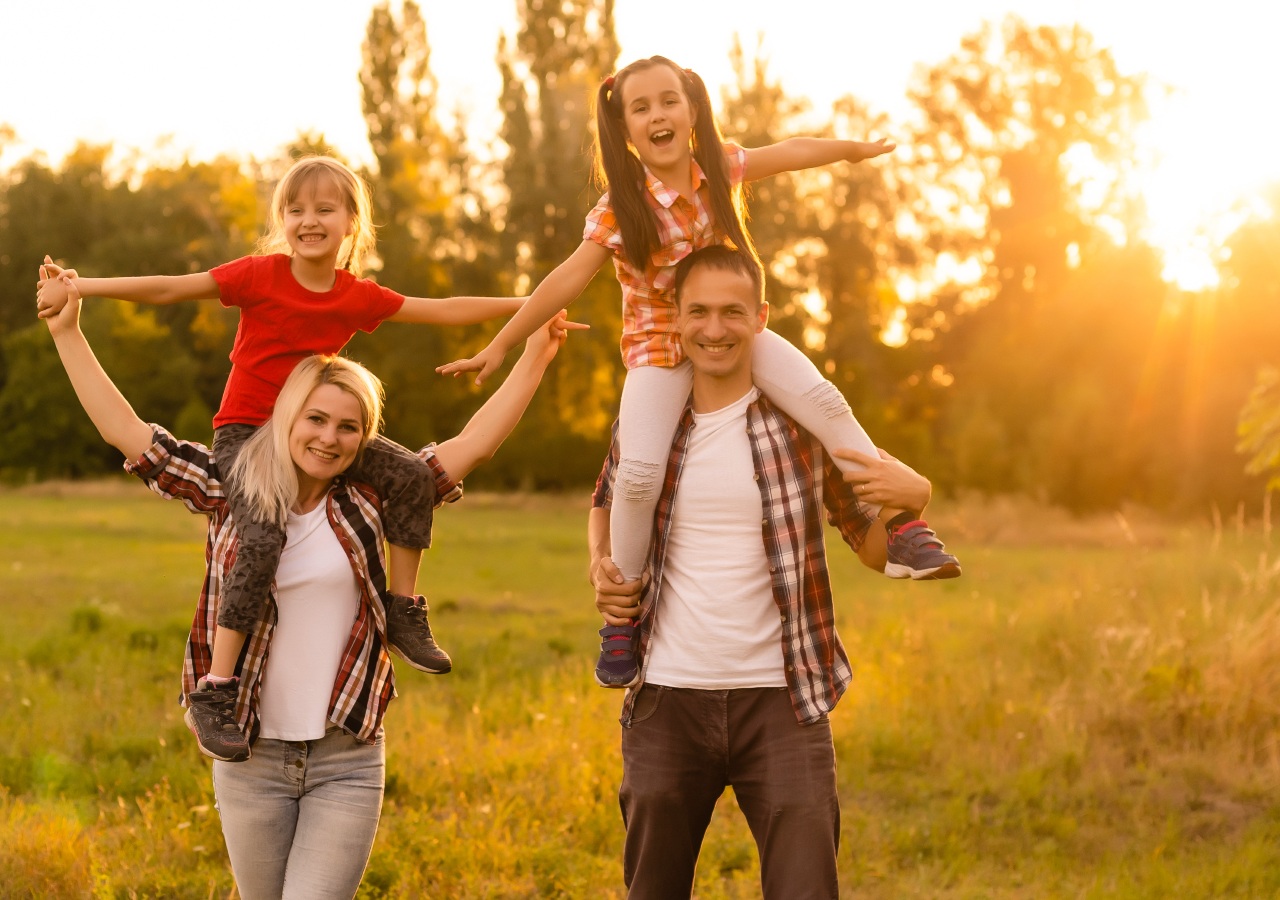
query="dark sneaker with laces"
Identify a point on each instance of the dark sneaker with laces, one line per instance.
(618, 666)
(211, 716)
(915, 552)
(409, 634)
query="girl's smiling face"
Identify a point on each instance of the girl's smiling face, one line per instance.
(317, 221)
(658, 118)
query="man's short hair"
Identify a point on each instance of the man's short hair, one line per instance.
(725, 259)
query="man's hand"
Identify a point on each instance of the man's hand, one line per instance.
(885, 481)
(617, 599)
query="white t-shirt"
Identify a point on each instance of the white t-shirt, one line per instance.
(317, 597)
(717, 626)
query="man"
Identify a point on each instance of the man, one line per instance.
(740, 662)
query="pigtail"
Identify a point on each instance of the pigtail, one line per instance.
(621, 173)
(727, 204)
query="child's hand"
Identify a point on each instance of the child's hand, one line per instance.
(486, 362)
(66, 317)
(870, 149)
(548, 339)
(55, 287)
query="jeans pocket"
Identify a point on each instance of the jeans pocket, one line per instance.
(646, 703)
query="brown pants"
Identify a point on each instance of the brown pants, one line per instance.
(402, 480)
(681, 750)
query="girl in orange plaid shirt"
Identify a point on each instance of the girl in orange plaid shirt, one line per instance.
(674, 185)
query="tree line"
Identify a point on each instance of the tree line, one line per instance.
(989, 319)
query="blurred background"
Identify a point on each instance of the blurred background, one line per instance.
(1063, 283)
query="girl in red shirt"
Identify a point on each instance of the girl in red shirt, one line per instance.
(299, 296)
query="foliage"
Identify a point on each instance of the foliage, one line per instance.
(1260, 426)
(983, 296)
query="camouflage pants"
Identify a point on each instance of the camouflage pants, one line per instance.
(402, 480)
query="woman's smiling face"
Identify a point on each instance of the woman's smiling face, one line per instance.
(327, 434)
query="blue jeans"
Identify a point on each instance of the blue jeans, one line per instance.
(299, 816)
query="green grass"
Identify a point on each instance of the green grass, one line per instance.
(1092, 711)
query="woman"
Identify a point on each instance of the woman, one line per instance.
(299, 816)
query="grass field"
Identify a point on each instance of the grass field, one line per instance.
(1092, 711)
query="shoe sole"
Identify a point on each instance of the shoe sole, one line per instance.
(898, 570)
(187, 718)
(616, 686)
(407, 661)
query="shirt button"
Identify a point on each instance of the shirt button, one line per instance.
(764, 521)
(756, 476)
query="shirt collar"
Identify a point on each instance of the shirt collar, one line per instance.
(667, 196)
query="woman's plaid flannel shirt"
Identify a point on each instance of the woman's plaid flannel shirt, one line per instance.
(181, 470)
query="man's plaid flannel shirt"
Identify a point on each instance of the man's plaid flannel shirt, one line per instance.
(796, 480)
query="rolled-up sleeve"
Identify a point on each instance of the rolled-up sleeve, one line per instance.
(179, 470)
(447, 490)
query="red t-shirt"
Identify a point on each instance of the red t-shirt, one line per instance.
(282, 323)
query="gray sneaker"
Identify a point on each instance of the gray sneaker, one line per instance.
(409, 634)
(211, 716)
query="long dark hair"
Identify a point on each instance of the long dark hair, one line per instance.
(621, 173)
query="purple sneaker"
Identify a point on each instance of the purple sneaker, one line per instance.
(915, 552)
(618, 666)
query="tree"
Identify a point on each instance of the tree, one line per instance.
(1014, 123)
(550, 70)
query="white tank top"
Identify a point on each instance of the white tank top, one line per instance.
(317, 597)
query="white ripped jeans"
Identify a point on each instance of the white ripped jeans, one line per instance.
(653, 398)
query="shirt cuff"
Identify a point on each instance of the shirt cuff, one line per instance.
(447, 490)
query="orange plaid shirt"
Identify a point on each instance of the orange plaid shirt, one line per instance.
(648, 303)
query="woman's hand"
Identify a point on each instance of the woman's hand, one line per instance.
(57, 300)
(547, 340)
(54, 289)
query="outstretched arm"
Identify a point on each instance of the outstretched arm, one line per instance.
(456, 310)
(493, 422)
(808, 153)
(557, 291)
(56, 285)
(115, 419)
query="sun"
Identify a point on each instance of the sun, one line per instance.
(1203, 176)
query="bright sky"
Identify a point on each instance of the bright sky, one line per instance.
(172, 78)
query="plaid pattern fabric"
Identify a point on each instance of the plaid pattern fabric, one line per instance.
(181, 470)
(793, 473)
(648, 303)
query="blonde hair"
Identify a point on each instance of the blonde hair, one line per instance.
(353, 190)
(264, 469)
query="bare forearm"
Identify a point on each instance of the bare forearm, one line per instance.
(599, 544)
(481, 437)
(109, 411)
(155, 290)
(456, 310)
